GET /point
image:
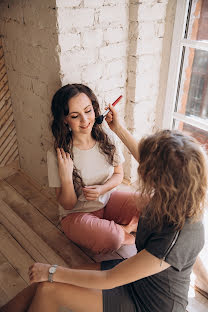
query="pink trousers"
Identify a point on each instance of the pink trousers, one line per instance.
(100, 231)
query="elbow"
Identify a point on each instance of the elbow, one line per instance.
(110, 283)
(66, 205)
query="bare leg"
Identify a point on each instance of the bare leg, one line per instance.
(201, 275)
(21, 301)
(51, 296)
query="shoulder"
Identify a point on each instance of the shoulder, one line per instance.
(52, 158)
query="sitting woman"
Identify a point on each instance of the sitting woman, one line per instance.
(170, 234)
(84, 172)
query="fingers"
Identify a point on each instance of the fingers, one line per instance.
(109, 117)
(38, 272)
(62, 155)
(91, 192)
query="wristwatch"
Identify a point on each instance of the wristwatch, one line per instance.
(51, 271)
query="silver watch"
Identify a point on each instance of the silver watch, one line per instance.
(51, 271)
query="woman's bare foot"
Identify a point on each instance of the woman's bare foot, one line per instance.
(132, 226)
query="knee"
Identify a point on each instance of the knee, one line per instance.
(110, 243)
(46, 289)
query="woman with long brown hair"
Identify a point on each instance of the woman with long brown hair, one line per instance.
(173, 176)
(84, 167)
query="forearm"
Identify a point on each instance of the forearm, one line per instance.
(83, 278)
(128, 139)
(115, 180)
(67, 197)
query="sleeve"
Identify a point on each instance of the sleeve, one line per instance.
(53, 172)
(178, 253)
(118, 156)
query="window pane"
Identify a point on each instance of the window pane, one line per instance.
(192, 94)
(200, 135)
(197, 21)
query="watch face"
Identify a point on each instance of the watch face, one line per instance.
(52, 270)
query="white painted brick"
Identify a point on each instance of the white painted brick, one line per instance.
(92, 72)
(113, 35)
(93, 38)
(79, 57)
(153, 46)
(114, 68)
(74, 18)
(71, 74)
(112, 83)
(113, 51)
(111, 96)
(146, 30)
(93, 3)
(113, 16)
(160, 29)
(68, 3)
(144, 81)
(145, 64)
(115, 2)
(68, 41)
(151, 13)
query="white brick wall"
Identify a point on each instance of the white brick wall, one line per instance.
(113, 46)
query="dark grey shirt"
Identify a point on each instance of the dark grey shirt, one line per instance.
(166, 291)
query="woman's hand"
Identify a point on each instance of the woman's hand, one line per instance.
(112, 119)
(38, 272)
(65, 165)
(92, 192)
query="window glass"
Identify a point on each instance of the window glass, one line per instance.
(197, 21)
(192, 97)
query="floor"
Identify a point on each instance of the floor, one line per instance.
(30, 232)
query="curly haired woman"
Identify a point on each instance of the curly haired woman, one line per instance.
(170, 235)
(85, 170)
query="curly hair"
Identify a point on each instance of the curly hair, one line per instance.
(62, 134)
(173, 174)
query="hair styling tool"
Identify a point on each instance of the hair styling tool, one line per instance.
(100, 118)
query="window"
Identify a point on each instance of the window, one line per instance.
(186, 105)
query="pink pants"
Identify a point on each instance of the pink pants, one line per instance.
(100, 231)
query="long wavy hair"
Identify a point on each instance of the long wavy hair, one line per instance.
(173, 174)
(63, 135)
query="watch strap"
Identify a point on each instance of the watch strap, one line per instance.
(50, 275)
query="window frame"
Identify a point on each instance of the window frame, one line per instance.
(178, 45)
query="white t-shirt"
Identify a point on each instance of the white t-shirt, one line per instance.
(94, 169)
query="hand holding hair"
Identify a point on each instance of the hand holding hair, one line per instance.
(65, 165)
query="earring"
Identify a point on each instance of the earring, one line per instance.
(67, 125)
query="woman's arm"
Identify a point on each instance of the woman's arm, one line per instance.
(137, 267)
(94, 191)
(65, 194)
(115, 180)
(125, 136)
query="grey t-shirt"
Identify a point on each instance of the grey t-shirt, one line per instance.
(166, 291)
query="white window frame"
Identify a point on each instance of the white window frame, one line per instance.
(178, 42)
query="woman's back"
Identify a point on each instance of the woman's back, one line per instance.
(168, 290)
